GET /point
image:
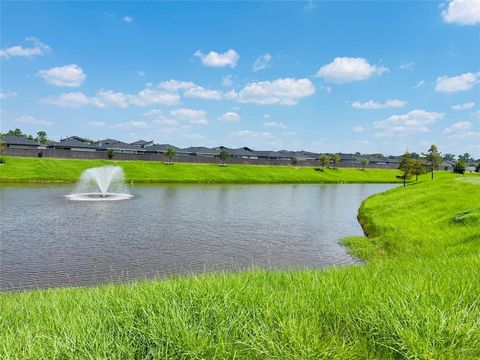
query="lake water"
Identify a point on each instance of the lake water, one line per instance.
(48, 240)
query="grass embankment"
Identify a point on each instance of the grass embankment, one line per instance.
(17, 169)
(416, 297)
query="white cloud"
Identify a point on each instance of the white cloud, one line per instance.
(194, 117)
(214, 59)
(109, 98)
(30, 120)
(128, 19)
(407, 66)
(346, 69)
(285, 91)
(229, 116)
(456, 83)
(414, 121)
(458, 126)
(227, 80)
(358, 128)
(262, 62)
(174, 85)
(141, 73)
(465, 106)
(462, 12)
(373, 105)
(134, 124)
(96, 124)
(202, 93)
(251, 133)
(68, 75)
(37, 49)
(7, 94)
(310, 6)
(420, 84)
(275, 124)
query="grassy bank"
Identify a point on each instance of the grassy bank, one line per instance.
(416, 297)
(62, 170)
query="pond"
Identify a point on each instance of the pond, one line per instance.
(48, 240)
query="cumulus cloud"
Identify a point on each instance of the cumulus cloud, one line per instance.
(67, 76)
(407, 66)
(348, 69)
(275, 124)
(419, 84)
(30, 120)
(373, 105)
(214, 59)
(194, 117)
(174, 85)
(458, 126)
(466, 106)
(109, 98)
(128, 19)
(128, 125)
(262, 62)
(227, 80)
(285, 91)
(414, 121)
(96, 124)
(7, 94)
(202, 93)
(358, 128)
(462, 12)
(456, 83)
(37, 48)
(229, 117)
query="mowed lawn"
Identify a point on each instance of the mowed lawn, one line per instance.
(417, 297)
(62, 170)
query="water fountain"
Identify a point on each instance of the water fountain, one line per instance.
(100, 184)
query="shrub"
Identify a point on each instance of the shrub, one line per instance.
(459, 167)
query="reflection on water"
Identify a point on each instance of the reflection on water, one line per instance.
(47, 240)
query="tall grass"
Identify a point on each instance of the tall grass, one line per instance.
(62, 170)
(417, 297)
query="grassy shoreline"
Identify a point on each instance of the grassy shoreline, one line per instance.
(45, 170)
(416, 297)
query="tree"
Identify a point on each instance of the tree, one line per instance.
(336, 159)
(448, 157)
(170, 153)
(16, 132)
(42, 137)
(223, 155)
(460, 167)
(110, 153)
(294, 161)
(406, 165)
(477, 169)
(415, 156)
(324, 160)
(465, 157)
(434, 159)
(418, 168)
(364, 163)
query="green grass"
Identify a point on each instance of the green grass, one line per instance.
(17, 169)
(417, 297)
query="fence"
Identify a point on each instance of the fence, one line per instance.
(91, 155)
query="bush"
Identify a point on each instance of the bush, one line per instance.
(2, 161)
(460, 167)
(477, 169)
(110, 153)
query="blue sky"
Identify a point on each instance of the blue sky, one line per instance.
(320, 76)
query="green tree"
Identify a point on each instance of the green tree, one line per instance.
(465, 158)
(448, 157)
(110, 153)
(415, 156)
(223, 155)
(16, 132)
(42, 137)
(324, 160)
(418, 168)
(433, 158)
(364, 163)
(460, 167)
(406, 165)
(336, 159)
(294, 161)
(477, 169)
(170, 153)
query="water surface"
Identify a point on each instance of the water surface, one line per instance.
(48, 240)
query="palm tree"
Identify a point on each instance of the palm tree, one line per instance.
(170, 153)
(336, 159)
(323, 161)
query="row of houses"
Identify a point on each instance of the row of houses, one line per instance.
(77, 143)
